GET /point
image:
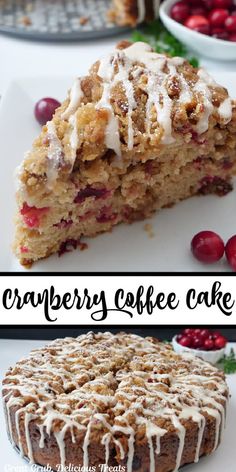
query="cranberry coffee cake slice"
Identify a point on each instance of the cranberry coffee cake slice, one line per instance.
(132, 12)
(140, 132)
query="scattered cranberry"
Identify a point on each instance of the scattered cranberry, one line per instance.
(180, 11)
(45, 109)
(207, 246)
(230, 251)
(218, 16)
(185, 341)
(198, 23)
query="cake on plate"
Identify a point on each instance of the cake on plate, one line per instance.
(140, 132)
(132, 12)
(121, 400)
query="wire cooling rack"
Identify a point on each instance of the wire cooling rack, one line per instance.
(57, 20)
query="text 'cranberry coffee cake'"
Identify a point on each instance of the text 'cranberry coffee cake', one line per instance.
(119, 400)
(140, 132)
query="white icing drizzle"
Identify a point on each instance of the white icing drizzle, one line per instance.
(126, 67)
(189, 389)
(55, 152)
(225, 110)
(76, 95)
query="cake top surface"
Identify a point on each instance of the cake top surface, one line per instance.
(132, 101)
(119, 384)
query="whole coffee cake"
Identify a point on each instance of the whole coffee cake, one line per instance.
(120, 400)
(140, 132)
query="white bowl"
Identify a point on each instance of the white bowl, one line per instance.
(210, 356)
(201, 43)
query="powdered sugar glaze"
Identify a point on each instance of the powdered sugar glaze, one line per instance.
(117, 386)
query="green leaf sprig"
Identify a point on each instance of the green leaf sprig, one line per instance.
(162, 41)
(228, 362)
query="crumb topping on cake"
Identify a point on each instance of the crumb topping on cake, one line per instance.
(121, 387)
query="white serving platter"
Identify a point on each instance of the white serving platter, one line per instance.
(128, 247)
(223, 459)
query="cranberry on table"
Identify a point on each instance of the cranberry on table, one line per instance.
(180, 11)
(45, 109)
(198, 23)
(230, 251)
(207, 247)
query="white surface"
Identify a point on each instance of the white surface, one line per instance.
(209, 356)
(128, 247)
(223, 460)
(201, 43)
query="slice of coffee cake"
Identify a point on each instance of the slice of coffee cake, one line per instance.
(132, 12)
(140, 132)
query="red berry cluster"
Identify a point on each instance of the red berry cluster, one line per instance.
(208, 247)
(215, 18)
(201, 339)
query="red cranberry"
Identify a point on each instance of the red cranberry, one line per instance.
(185, 341)
(205, 333)
(216, 334)
(180, 11)
(91, 192)
(207, 246)
(220, 342)
(230, 24)
(230, 251)
(208, 4)
(45, 109)
(222, 3)
(218, 16)
(198, 11)
(220, 33)
(188, 331)
(32, 215)
(208, 344)
(197, 342)
(198, 23)
(232, 37)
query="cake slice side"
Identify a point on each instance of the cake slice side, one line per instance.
(140, 132)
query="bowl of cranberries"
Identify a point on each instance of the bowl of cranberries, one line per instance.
(206, 26)
(207, 344)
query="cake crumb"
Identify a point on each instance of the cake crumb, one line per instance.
(83, 20)
(26, 21)
(149, 230)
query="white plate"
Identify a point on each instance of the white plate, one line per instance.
(128, 247)
(223, 459)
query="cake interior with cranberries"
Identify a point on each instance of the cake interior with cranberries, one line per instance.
(119, 400)
(132, 12)
(140, 132)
